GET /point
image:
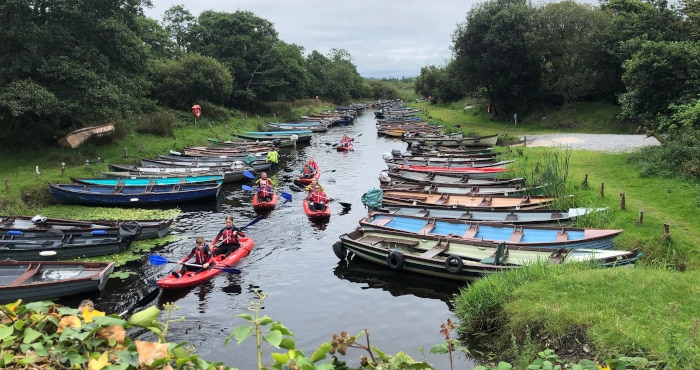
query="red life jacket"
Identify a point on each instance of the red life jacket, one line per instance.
(307, 170)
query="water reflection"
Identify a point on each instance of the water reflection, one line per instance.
(398, 283)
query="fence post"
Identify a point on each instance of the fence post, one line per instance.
(622, 201)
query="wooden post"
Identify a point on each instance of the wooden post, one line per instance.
(641, 217)
(7, 184)
(667, 231)
(622, 201)
(37, 173)
(602, 190)
(585, 181)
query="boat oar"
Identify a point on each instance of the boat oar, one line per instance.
(155, 259)
(248, 174)
(287, 197)
(148, 298)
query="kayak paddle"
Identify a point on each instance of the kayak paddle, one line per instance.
(287, 197)
(155, 259)
(148, 298)
(248, 174)
(246, 187)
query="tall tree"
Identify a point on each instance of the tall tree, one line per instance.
(633, 22)
(245, 44)
(492, 51)
(566, 35)
(85, 55)
(191, 79)
(660, 77)
(178, 21)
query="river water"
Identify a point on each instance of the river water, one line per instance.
(308, 289)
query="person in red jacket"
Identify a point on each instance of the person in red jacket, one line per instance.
(202, 259)
(265, 186)
(228, 237)
(317, 199)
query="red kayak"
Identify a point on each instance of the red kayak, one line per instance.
(192, 278)
(347, 148)
(307, 181)
(264, 205)
(316, 214)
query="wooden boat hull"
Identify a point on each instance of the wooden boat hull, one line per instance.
(518, 235)
(149, 229)
(450, 179)
(474, 172)
(192, 278)
(449, 141)
(315, 214)
(458, 260)
(535, 216)
(132, 196)
(152, 173)
(42, 280)
(259, 205)
(149, 181)
(75, 138)
(55, 247)
(492, 202)
(303, 136)
(460, 189)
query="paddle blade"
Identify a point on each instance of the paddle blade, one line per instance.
(286, 196)
(255, 221)
(155, 259)
(248, 174)
(246, 187)
(230, 270)
(345, 205)
(295, 188)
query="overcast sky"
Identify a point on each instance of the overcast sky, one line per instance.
(386, 38)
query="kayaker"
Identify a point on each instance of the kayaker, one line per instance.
(317, 199)
(202, 257)
(346, 140)
(273, 157)
(265, 186)
(307, 172)
(312, 185)
(313, 164)
(229, 239)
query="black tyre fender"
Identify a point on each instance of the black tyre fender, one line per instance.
(395, 260)
(340, 250)
(454, 264)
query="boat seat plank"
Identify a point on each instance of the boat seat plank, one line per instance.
(372, 240)
(383, 222)
(471, 232)
(426, 229)
(562, 236)
(31, 271)
(516, 236)
(434, 251)
(497, 257)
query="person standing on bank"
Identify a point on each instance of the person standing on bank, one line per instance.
(202, 257)
(228, 237)
(273, 157)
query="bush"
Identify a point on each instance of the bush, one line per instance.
(157, 123)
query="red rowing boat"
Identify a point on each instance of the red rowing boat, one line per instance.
(316, 214)
(193, 278)
(307, 181)
(259, 205)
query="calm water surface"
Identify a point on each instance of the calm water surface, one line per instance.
(309, 290)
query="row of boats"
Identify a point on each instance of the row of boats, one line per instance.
(447, 209)
(34, 250)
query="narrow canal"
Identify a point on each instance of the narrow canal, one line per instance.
(309, 290)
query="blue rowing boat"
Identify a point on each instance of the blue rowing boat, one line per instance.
(137, 181)
(512, 235)
(133, 196)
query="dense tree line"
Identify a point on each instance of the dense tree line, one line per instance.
(72, 63)
(520, 57)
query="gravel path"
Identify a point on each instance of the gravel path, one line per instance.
(599, 142)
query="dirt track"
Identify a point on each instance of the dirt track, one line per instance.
(600, 142)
